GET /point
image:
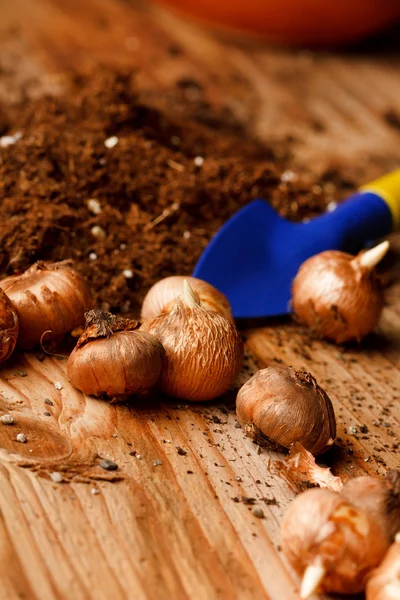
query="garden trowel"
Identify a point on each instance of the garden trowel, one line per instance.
(255, 256)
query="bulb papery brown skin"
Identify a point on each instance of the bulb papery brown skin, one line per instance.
(379, 497)
(113, 359)
(300, 466)
(204, 351)
(280, 406)
(339, 295)
(50, 299)
(162, 297)
(334, 540)
(384, 582)
(8, 327)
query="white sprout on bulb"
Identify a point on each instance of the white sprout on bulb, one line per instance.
(373, 256)
(313, 576)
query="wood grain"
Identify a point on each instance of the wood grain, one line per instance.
(158, 520)
(181, 529)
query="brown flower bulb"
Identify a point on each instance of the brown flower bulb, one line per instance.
(162, 296)
(113, 359)
(384, 582)
(204, 350)
(50, 298)
(334, 540)
(282, 406)
(8, 327)
(338, 295)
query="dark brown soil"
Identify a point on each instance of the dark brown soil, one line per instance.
(159, 206)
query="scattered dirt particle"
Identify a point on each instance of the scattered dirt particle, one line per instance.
(392, 118)
(108, 465)
(247, 500)
(270, 501)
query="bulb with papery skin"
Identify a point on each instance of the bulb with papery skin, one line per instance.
(162, 296)
(8, 327)
(338, 295)
(384, 582)
(113, 359)
(334, 540)
(280, 406)
(50, 300)
(204, 351)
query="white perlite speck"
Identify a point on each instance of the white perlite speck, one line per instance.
(127, 273)
(9, 140)
(111, 141)
(92, 256)
(58, 385)
(94, 206)
(21, 438)
(288, 176)
(198, 161)
(7, 419)
(56, 477)
(331, 206)
(98, 232)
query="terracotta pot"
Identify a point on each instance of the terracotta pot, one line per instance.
(295, 22)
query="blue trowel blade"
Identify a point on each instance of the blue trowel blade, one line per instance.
(244, 261)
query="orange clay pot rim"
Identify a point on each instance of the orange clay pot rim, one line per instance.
(313, 34)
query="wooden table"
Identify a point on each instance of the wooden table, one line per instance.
(173, 530)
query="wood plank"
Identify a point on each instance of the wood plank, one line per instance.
(175, 530)
(158, 520)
